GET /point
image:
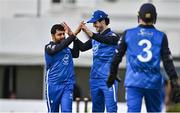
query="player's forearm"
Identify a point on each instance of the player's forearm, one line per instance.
(119, 53)
(106, 39)
(167, 59)
(114, 64)
(52, 49)
(75, 49)
(88, 32)
(85, 46)
(170, 69)
(68, 41)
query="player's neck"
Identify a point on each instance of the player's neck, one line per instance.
(104, 29)
(144, 23)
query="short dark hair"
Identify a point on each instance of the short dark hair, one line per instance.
(107, 21)
(148, 13)
(57, 27)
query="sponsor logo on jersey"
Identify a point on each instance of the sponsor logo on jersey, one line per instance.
(143, 32)
(65, 60)
(95, 49)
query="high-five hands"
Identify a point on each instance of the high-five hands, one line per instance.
(82, 26)
(67, 29)
(78, 30)
(87, 31)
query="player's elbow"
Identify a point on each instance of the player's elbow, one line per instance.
(76, 56)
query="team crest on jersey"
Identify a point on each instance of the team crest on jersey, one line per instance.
(95, 49)
(142, 32)
(65, 60)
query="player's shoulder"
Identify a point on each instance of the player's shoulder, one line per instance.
(160, 32)
(47, 44)
(50, 45)
(109, 31)
(114, 34)
(131, 29)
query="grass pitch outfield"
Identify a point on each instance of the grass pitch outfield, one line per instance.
(173, 108)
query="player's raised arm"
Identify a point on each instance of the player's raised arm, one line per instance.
(111, 38)
(58, 38)
(78, 30)
(83, 46)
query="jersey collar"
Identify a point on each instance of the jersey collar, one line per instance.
(146, 26)
(106, 31)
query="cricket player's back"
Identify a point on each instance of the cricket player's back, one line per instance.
(143, 57)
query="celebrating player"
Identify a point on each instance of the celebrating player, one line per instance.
(145, 46)
(60, 76)
(103, 45)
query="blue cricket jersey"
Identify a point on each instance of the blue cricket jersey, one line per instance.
(143, 57)
(102, 56)
(60, 67)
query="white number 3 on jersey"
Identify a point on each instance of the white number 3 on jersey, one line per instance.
(146, 49)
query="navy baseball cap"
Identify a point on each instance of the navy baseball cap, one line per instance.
(98, 14)
(147, 12)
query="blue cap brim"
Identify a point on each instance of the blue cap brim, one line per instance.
(92, 20)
